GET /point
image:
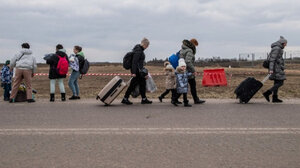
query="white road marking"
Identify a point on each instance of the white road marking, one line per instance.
(146, 131)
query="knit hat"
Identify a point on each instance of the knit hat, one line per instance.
(169, 67)
(181, 63)
(7, 62)
(166, 63)
(194, 41)
(282, 40)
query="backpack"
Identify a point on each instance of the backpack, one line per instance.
(266, 62)
(174, 58)
(62, 65)
(127, 60)
(85, 67)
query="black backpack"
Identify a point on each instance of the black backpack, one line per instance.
(266, 62)
(85, 67)
(127, 60)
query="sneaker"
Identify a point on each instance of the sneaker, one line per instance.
(77, 97)
(174, 103)
(146, 101)
(73, 98)
(178, 102)
(11, 100)
(30, 100)
(126, 101)
(187, 105)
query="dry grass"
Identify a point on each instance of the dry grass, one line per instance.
(91, 85)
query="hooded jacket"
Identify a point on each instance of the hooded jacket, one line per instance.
(277, 62)
(53, 61)
(80, 57)
(138, 59)
(24, 60)
(182, 80)
(187, 52)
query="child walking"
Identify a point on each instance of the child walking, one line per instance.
(6, 76)
(182, 83)
(170, 82)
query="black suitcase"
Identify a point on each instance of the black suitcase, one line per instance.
(248, 88)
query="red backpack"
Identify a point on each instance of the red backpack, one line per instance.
(62, 65)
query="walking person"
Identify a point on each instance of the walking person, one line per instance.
(26, 66)
(138, 73)
(170, 83)
(6, 80)
(276, 69)
(182, 83)
(76, 64)
(188, 52)
(58, 71)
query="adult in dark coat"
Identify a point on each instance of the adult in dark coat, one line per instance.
(136, 72)
(53, 74)
(276, 69)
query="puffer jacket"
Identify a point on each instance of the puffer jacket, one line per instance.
(24, 60)
(187, 52)
(53, 61)
(138, 59)
(170, 80)
(182, 80)
(277, 62)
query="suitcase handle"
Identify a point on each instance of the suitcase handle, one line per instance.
(114, 92)
(266, 78)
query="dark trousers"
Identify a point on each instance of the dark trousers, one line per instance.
(192, 83)
(7, 89)
(185, 100)
(173, 91)
(138, 80)
(276, 86)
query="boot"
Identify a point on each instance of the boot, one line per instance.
(199, 101)
(174, 103)
(186, 104)
(276, 100)
(63, 96)
(146, 101)
(52, 97)
(267, 95)
(160, 98)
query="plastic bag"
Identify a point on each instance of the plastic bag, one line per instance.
(150, 84)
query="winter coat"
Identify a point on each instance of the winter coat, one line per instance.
(170, 80)
(24, 60)
(6, 75)
(182, 81)
(138, 59)
(187, 52)
(277, 62)
(53, 61)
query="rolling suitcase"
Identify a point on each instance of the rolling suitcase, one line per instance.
(111, 91)
(248, 88)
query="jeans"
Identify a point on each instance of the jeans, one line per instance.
(73, 83)
(276, 86)
(7, 89)
(138, 80)
(60, 84)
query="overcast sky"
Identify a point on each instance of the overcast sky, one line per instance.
(107, 29)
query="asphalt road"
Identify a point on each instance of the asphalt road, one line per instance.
(220, 133)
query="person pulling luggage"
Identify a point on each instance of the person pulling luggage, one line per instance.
(276, 69)
(138, 72)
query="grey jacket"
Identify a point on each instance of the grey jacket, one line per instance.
(24, 60)
(277, 62)
(187, 52)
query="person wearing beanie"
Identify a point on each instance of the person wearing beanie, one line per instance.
(25, 66)
(6, 76)
(182, 83)
(170, 83)
(54, 75)
(139, 73)
(188, 52)
(276, 69)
